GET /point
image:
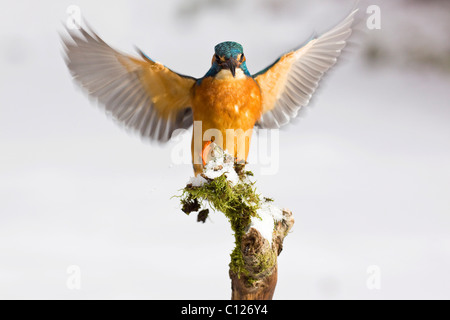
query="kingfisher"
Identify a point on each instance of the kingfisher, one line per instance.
(147, 97)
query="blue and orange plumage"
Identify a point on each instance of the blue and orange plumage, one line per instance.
(155, 101)
(227, 98)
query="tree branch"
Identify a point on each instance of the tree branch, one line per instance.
(260, 261)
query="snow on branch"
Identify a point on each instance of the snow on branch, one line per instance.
(259, 227)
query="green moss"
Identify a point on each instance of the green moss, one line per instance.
(238, 202)
(266, 262)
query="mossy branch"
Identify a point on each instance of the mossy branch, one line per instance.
(239, 203)
(260, 260)
(253, 266)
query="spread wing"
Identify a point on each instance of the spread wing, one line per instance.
(289, 82)
(139, 93)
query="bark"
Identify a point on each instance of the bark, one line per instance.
(261, 262)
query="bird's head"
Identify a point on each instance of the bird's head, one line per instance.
(229, 56)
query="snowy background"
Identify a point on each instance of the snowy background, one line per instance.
(365, 170)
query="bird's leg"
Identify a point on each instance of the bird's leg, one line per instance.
(198, 169)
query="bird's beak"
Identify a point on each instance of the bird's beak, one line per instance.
(232, 64)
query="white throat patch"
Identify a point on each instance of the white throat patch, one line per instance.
(225, 74)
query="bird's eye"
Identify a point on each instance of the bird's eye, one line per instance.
(217, 57)
(242, 57)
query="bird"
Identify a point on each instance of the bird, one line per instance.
(147, 97)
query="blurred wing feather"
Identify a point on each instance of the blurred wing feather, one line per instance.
(289, 83)
(141, 94)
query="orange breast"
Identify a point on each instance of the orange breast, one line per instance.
(226, 106)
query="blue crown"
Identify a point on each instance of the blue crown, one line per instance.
(228, 49)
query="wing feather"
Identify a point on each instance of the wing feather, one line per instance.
(140, 94)
(289, 83)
